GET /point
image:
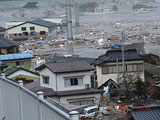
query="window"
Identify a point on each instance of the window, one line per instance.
(82, 102)
(33, 33)
(32, 28)
(25, 33)
(15, 34)
(105, 70)
(20, 34)
(19, 63)
(73, 82)
(42, 32)
(23, 28)
(46, 80)
(129, 68)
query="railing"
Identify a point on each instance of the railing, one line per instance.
(19, 103)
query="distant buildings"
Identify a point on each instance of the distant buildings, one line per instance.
(2, 31)
(36, 29)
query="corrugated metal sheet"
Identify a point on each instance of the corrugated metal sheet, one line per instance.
(21, 104)
(16, 56)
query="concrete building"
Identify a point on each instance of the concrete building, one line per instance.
(109, 66)
(36, 29)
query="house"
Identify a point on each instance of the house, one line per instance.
(19, 59)
(19, 73)
(109, 66)
(68, 82)
(2, 32)
(36, 29)
(8, 46)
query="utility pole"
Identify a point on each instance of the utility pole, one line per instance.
(69, 25)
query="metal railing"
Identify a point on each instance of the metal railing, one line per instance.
(19, 103)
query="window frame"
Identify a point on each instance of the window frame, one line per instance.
(23, 28)
(79, 81)
(44, 80)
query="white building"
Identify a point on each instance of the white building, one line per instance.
(110, 67)
(68, 82)
(35, 29)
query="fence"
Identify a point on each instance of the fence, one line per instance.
(19, 103)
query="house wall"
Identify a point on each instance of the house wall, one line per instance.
(58, 80)
(52, 78)
(61, 81)
(102, 78)
(67, 99)
(12, 50)
(27, 63)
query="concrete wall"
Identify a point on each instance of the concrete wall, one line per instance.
(102, 78)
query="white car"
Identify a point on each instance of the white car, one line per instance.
(89, 112)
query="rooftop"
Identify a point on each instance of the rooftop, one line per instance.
(16, 56)
(114, 55)
(43, 23)
(30, 5)
(35, 87)
(61, 59)
(67, 67)
(142, 114)
(5, 43)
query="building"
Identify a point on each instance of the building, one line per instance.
(20, 59)
(109, 66)
(36, 29)
(68, 82)
(2, 32)
(19, 73)
(8, 46)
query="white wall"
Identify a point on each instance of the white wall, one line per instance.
(22, 72)
(59, 80)
(52, 77)
(27, 25)
(102, 78)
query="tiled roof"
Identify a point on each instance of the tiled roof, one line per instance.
(16, 56)
(146, 114)
(57, 59)
(30, 5)
(114, 55)
(43, 23)
(5, 43)
(67, 67)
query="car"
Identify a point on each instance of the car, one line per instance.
(89, 112)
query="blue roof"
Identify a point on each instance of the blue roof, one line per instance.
(43, 23)
(16, 56)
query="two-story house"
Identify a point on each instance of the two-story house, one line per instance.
(110, 67)
(70, 81)
(8, 46)
(36, 29)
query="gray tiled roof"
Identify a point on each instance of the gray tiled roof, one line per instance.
(43, 23)
(143, 114)
(30, 5)
(57, 59)
(67, 67)
(4, 43)
(113, 55)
